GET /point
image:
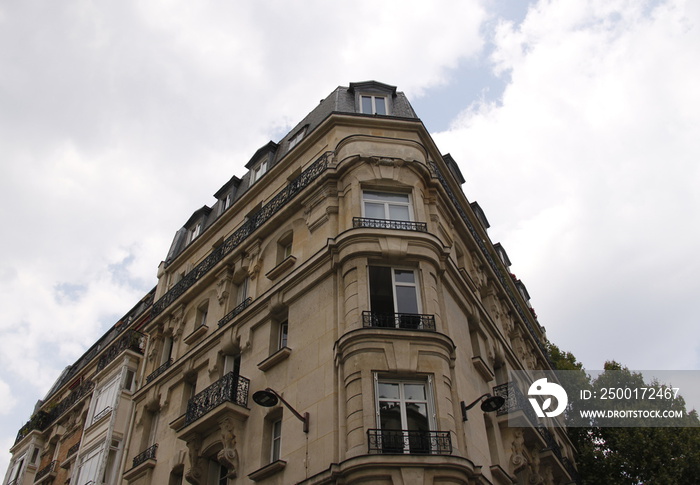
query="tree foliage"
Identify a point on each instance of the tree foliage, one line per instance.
(631, 455)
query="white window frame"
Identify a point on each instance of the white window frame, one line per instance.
(105, 397)
(16, 468)
(95, 454)
(283, 335)
(294, 141)
(367, 197)
(429, 401)
(196, 231)
(258, 171)
(373, 102)
(242, 290)
(415, 285)
(275, 440)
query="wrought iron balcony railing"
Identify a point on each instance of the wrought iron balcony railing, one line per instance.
(412, 442)
(42, 419)
(233, 313)
(148, 454)
(502, 277)
(232, 388)
(389, 224)
(73, 449)
(131, 340)
(515, 401)
(406, 321)
(101, 414)
(162, 368)
(242, 233)
(45, 471)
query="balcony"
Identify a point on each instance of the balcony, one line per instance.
(46, 473)
(234, 313)
(148, 454)
(230, 388)
(389, 224)
(405, 321)
(390, 441)
(131, 340)
(159, 370)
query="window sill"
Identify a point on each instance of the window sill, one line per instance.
(194, 336)
(483, 368)
(277, 271)
(268, 470)
(274, 359)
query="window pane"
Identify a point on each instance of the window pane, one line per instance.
(386, 197)
(367, 104)
(379, 104)
(398, 213)
(374, 211)
(390, 415)
(380, 288)
(404, 276)
(417, 416)
(414, 392)
(406, 301)
(388, 390)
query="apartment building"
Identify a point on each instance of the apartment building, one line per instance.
(334, 317)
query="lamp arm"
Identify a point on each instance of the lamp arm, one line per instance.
(304, 419)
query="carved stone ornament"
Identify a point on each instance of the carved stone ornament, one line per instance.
(518, 458)
(228, 456)
(223, 285)
(195, 474)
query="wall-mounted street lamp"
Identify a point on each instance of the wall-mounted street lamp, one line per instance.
(489, 405)
(269, 398)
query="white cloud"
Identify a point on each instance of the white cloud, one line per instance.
(121, 118)
(588, 167)
(8, 400)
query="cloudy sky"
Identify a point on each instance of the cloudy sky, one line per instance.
(575, 124)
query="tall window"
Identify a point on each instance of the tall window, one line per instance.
(232, 363)
(242, 292)
(89, 464)
(404, 415)
(16, 470)
(373, 105)
(105, 399)
(386, 205)
(283, 333)
(393, 290)
(258, 171)
(217, 474)
(276, 440)
(296, 138)
(202, 313)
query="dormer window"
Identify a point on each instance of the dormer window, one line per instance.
(227, 202)
(373, 105)
(196, 231)
(293, 141)
(258, 171)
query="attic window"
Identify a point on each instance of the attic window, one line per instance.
(373, 105)
(293, 141)
(258, 171)
(196, 231)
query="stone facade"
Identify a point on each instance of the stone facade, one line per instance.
(347, 272)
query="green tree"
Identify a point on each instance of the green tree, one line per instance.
(630, 455)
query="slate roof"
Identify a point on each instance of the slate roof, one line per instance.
(343, 99)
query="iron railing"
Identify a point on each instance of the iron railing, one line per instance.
(516, 401)
(406, 321)
(148, 454)
(242, 233)
(45, 471)
(233, 313)
(104, 412)
(162, 368)
(42, 419)
(73, 449)
(232, 388)
(131, 340)
(392, 441)
(502, 277)
(389, 224)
